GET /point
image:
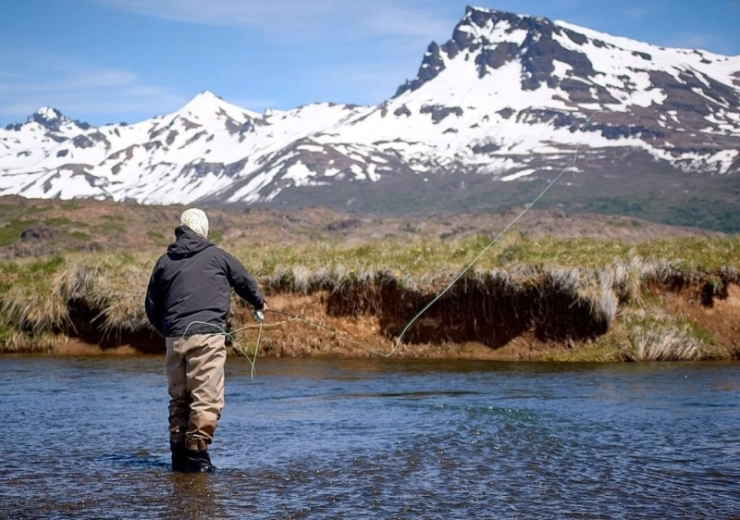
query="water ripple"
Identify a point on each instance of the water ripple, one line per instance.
(313, 439)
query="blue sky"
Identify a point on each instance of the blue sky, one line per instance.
(104, 61)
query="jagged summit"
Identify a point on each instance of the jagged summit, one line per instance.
(490, 37)
(573, 67)
(48, 117)
(52, 120)
(45, 115)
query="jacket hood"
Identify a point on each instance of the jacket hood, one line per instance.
(187, 242)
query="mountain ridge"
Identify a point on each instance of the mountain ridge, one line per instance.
(500, 108)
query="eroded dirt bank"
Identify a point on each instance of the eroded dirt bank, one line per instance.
(485, 320)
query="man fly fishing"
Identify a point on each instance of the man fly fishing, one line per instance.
(187, 301)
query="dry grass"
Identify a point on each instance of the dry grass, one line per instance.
(656, 335)
(15, 341)
(30, 301)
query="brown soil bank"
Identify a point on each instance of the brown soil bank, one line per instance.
(555, 314)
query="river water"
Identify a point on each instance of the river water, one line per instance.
(87, 438)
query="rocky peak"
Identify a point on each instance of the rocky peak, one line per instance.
(48, 117)
(431, 65)
(495, 38)
(51, 119)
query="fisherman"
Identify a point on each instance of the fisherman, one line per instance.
(187, 301)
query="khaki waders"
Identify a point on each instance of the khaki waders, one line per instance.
(195, 375)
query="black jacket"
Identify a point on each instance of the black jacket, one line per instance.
(190, 288)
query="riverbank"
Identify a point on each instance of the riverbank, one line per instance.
(529, 299)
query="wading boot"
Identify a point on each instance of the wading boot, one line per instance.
(198, 462)
(177, 443)
(178, 456)
(197, 459)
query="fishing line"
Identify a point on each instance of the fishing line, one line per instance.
(232, 336)
(320, 326)
(253, 360)
(397, 341)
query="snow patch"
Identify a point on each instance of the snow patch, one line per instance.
(517, 175)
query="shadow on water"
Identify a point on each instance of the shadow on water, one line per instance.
(140, 461)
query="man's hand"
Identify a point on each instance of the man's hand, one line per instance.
(259, 315)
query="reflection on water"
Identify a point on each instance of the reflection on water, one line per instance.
(87, 438)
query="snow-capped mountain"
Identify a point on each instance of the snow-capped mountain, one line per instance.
(506, 99)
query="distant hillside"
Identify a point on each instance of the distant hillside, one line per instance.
(33, 227)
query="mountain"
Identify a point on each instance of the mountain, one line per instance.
(493, 115)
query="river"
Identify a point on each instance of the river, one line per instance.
(313, 439)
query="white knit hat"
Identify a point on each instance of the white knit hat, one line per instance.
(196, 220)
